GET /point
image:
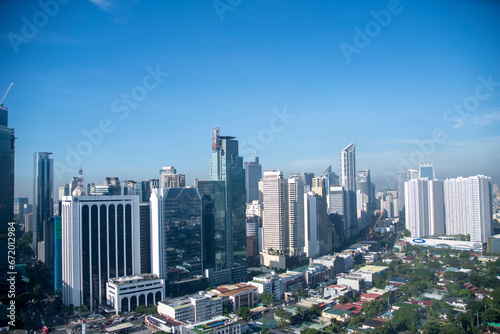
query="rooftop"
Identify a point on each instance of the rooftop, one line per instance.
(372, 268)
(233, 289)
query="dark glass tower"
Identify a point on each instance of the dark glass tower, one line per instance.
(6, 182)
(43, 179)
(227, 166)
(145, 230)
(182, 243)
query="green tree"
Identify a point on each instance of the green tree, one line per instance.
(490, 315)
(343, 299)
(315, 310)
(284, 316)
(431, 327)
(266, 298)
(379, 282)
(244, 312)
(405, 319)
(309, 331)
(451, 328)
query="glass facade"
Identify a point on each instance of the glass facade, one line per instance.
(145, 230)
(227, 166)
(182, 239)
(212, 195)
(43, 179)
(253, 174)
(57, 255)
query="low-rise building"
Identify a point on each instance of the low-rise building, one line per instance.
(159, 322)
(335, 291)
(197, 307)
(270, 283)
(355, 282)
(369, 297)
(239, 295)
(339, 315)
(217, 325)
(131, 291)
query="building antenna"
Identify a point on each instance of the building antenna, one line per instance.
(7, 92)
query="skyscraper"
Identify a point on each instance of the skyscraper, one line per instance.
(43, 198)
(100, 240)
(176, 229)
(325, 231)
(295, 201)
(227, 166)
(274, 221)
(468, 207)
(214, 232)
(424, 207)
(312, 218)
(426, 171)
(7, 140)
(348, 179)
(417, 207)
(170, 179)
(253, 174)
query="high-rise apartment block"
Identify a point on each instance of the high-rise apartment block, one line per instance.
(424, 207)
(455, 206)
(468, 207)
(348, 180)
(170, 179)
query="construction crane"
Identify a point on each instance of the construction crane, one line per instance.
(7, 92)
(375, 225)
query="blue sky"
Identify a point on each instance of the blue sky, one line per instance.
(422, 84)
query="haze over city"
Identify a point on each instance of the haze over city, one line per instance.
(296, 82)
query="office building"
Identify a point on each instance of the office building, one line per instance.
(325, 236)
(57, 255)
(253, 174)
(426, 171)
(227, 166)
(170, 179)
(100, 240)
(195, 307)
(274, 215)
(131, 187)
(145, 230)
(348, 180)
(43, 199)
(177, 239)
(146, 188)
(124, 294)
(7, 141)
(20, 204)
(215, 235)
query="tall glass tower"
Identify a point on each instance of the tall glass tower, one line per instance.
(6, 182)
(43, 179)
(227, 166)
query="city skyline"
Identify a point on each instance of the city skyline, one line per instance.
(276, 76)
